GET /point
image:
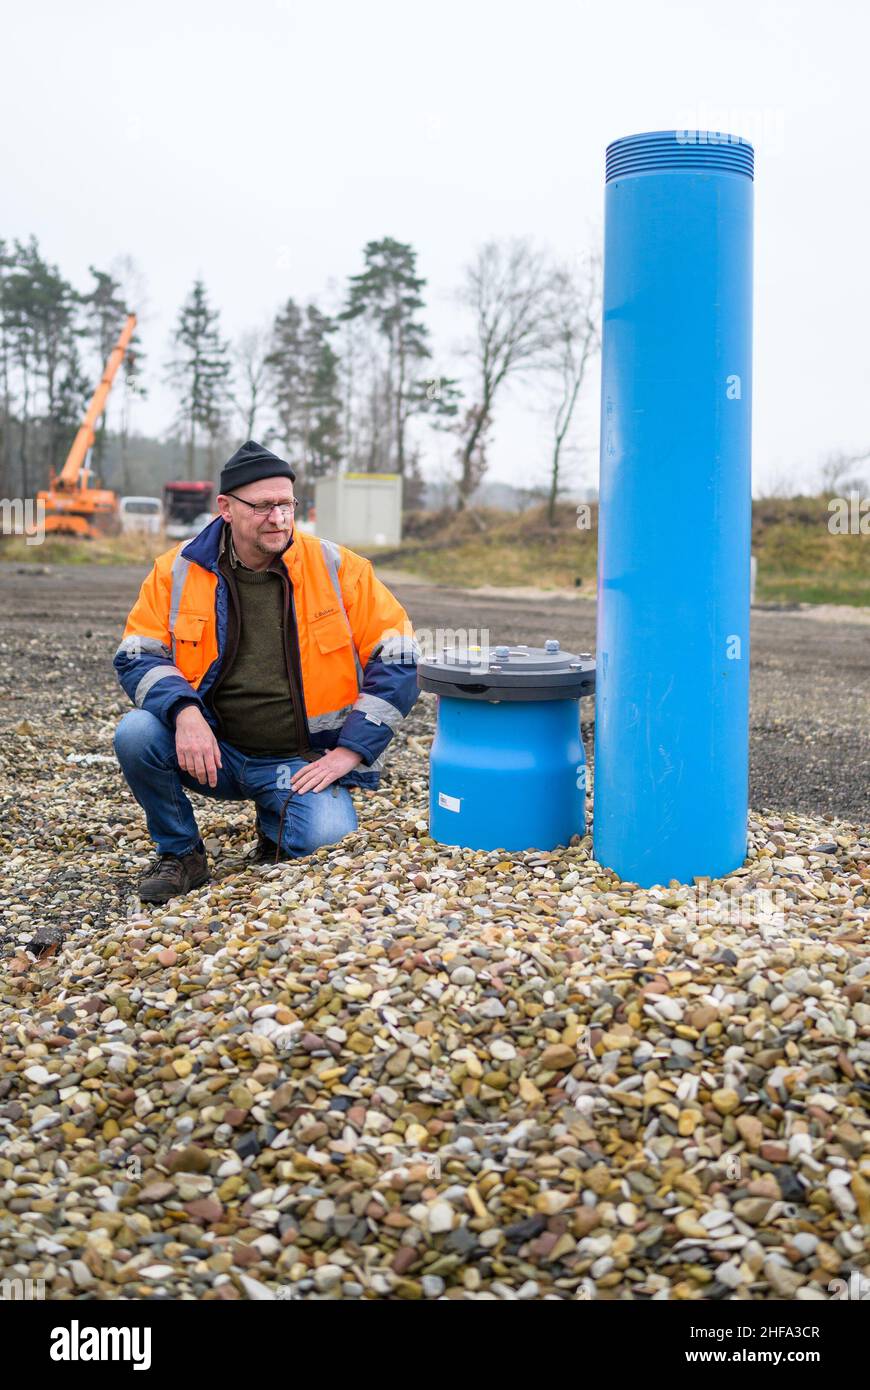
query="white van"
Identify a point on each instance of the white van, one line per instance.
(142, 515)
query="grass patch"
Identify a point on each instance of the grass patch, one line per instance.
(799, 560)
(70, 550)
(811, 588)
(506, 549)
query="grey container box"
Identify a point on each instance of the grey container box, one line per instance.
(359, 509)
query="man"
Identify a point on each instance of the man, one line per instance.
(265, 665)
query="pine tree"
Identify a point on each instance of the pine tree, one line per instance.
(306, 396)
(200, 371)
(321, 402)
(133, 292)
(19, 357)
(74, 389)
(387, 293)
(53, 308)
(285, 365)
(105, 312)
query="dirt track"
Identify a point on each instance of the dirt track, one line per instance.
(810, 710)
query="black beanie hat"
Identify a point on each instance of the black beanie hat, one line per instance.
(250, 463)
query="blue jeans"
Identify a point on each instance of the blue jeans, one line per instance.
(145, 748)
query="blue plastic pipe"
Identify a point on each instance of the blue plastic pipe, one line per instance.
(672, 702)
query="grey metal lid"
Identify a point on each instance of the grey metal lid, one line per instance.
(507, 672)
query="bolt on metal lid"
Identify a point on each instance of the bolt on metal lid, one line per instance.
(508, 673)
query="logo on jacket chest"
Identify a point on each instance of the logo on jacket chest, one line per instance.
(323, 613)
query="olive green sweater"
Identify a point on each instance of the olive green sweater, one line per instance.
(254, 700)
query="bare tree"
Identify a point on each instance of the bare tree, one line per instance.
(780, 484)
(199, 370)
(509, 289)
(250, 354)
(837, 475)
(576, 338)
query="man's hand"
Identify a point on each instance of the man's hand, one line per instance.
(196, 747)
(315, 776)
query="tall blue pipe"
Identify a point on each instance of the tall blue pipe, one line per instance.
(672, 701)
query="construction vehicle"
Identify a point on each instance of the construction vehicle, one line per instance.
(73, 508)
(187, 508)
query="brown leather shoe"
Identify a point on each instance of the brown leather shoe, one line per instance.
(171, 875)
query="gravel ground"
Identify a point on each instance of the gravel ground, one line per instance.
(398, 1071)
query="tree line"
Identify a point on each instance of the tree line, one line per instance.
(54, 340)
(329, 390)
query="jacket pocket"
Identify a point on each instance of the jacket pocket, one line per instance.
(331, 633)
(189, 644)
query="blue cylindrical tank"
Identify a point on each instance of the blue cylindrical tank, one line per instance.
(672, 704)
(507, 767)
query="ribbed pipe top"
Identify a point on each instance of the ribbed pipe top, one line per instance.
(680, 151)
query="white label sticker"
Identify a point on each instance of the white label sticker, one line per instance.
(450, 803)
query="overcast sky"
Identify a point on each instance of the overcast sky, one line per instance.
(261, 145)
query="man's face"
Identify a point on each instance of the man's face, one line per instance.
(266, 532)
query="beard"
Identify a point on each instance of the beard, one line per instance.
(274, 542)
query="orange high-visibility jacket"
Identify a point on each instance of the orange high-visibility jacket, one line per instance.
(357, 649)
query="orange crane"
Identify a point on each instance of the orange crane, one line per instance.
(71, 507)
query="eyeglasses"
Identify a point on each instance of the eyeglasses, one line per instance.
(264, 508)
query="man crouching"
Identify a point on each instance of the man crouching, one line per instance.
(266, 665)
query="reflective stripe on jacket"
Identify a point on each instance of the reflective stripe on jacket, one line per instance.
(356, 644)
